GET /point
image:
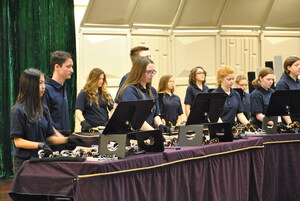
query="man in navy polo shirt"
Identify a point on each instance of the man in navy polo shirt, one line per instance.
(55, 97)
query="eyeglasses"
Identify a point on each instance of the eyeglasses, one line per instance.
(151, 72)
(200, 73)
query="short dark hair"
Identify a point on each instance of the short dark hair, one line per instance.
(135, 52)
(59, 57)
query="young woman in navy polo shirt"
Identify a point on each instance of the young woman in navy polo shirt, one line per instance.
(197, 80)
(169, 103)
(138, 87)
(242, 83)
(260, 97)
(94, 101)
(233, 106)
(290, 79)
(31, 124)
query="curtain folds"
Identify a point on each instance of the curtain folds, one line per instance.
(30, 30)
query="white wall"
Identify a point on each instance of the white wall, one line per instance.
(178, 52)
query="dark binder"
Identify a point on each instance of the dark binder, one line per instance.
(129, 116)
(206, 107)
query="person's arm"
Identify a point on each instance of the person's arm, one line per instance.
(179, 120)
(146, 127)
(110, 113)
(157, 121)
(54, 139)
(242, 118)
(57, 133)
(287, 119)
(79, 115)
(187, 110)
(261, 116)
(25, 144)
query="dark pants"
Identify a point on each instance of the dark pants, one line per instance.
(17, 164)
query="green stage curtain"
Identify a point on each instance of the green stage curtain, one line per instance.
(30, 30)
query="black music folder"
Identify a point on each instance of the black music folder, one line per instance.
(206, 107)
(284, 102)
(128, 116)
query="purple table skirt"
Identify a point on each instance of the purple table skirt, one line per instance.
(282, 167)
(224, 171)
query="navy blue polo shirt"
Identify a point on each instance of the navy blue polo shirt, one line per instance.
(56, 99)
(171, 107)
(232, 106)
(287, 83)
(246, 105)
(138, 92)
(260, 99)
(191, 93)
(123, 79)
(96, 115)
(22, 127)
(120, 85)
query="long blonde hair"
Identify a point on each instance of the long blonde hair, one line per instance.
(136, 74)
(91, 87)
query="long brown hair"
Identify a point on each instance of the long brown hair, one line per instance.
(91, 87)
(192, 76)
(29, 94)
(263, 73)
(136, 74)
(289, 62)
(163, 83)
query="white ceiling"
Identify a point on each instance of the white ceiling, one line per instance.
(194, 14)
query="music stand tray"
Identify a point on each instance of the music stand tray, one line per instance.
(206, 107)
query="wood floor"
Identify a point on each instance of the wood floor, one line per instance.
(4, 188)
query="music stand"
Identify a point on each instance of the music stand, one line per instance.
(196, 140)
(294, 105)
(206, 107)
(278, 106)
(294, 102)
(222, 131)
(156, 140)
(240, 91)
(127, 117)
